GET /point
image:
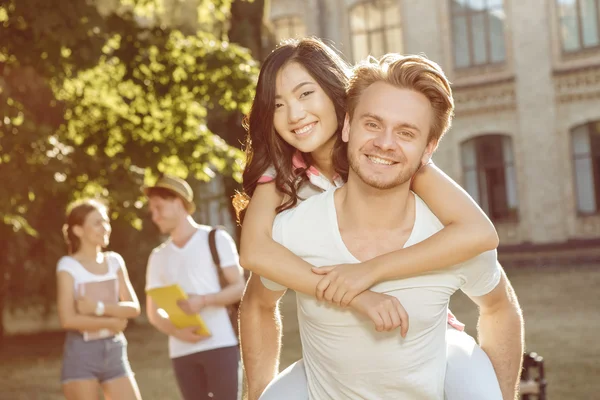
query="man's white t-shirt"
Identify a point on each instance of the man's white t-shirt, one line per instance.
(345, 357)
(192, 267)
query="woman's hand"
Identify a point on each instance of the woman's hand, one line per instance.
(86, 306)
(118, 325)
(342, 283)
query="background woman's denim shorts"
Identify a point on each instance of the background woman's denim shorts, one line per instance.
(101, 359)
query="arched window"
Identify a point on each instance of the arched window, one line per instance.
(289, 27)
(375, 28)
(586, 161)
(489, 175)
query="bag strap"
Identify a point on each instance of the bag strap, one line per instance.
(212, 243)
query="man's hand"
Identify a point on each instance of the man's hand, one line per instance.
(385, 311)
(342, 283)
(193, 304)
(189, 334)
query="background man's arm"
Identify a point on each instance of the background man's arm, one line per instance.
(231, 293)
(234, 284)
(228, 295)
(231, 269)
(260, 335)
(500, 332)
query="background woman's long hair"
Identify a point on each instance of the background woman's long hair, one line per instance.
(76, 215)
(264, 146)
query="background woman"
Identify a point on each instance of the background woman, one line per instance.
(95, 300)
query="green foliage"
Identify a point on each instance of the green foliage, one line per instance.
(96, 100)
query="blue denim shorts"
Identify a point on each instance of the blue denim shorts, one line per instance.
(101, 359)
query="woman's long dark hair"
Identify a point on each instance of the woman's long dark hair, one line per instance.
(264, 147)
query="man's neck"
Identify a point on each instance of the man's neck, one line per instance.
(374, 222)
(361, 206)
(183, 232)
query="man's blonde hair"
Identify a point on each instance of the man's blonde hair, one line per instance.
(407, 72)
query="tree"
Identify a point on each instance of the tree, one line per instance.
(97, 100)
(247, 29)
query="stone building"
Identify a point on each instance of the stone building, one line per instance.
(525, 142)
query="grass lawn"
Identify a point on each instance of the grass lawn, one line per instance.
(30, 365)
(561, 315)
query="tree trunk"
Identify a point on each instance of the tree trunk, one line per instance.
(4, 271)
(2, 304)
(246, 27)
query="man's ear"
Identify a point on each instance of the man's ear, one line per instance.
(182, 206)
(429, 150)
(346, 129)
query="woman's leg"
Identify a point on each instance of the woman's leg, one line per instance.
(123, 388)
(290, 384)
(469, 372)
(81, 389)
(116, 378)
(80, 366)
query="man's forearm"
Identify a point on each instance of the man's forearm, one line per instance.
(501, 337)
(162, 324)
(229, 295)
(260, 336)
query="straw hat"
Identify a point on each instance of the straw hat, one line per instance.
(177, 186)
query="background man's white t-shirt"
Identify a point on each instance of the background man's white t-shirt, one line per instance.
(192, 267)
(345, 356)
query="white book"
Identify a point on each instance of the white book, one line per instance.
(106, 291)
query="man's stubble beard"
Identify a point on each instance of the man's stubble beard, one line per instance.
(166, 229)
(403, 177)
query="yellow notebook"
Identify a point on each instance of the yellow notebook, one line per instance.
(166, 297)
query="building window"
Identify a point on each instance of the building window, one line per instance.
(586, 161)
(478, 32)
(288, 27)
(375, 29)
(579, 22)
(489, 175)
